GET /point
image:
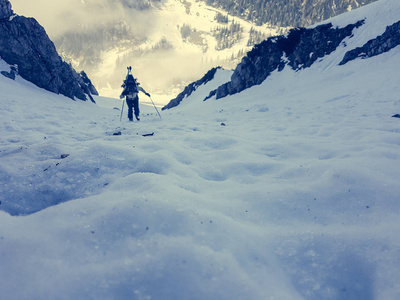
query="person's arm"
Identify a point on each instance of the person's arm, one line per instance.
(142, 90)
(123, 93)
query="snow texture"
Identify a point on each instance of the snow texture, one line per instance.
(296, 197)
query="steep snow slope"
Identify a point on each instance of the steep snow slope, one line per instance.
(288, 190)
(301, 48)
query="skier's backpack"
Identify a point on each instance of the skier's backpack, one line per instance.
(131, 85)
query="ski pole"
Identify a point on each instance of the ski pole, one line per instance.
(122, 110)
(155, 107)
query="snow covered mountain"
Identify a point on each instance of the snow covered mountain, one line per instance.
(287, 13)
(168, 43)
(301, 48)
(287, 189)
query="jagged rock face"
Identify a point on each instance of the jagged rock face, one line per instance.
(383, 43)
(88, 85)
(191, 88)
(254, 68)
(24, 42)
(301, 48)
(318, 42)
(5, 9)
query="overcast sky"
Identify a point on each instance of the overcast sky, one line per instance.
(156, 71)
(58, 17)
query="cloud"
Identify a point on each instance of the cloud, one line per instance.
(162, 71)
(157, 69)
(59, 17)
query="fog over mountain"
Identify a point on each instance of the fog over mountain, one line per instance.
(170, 43)
(61, 17)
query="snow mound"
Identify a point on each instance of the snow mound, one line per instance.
(287, 190)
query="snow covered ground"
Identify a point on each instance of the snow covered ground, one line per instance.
(288, 190)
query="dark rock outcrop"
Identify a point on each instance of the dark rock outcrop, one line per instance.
(86, 85)
(5, 10)
(12, 74)
(89, 87)
(25, 43)
(383, 43)
(299, 49)
(191, 88)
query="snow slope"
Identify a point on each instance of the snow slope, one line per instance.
(288, 190)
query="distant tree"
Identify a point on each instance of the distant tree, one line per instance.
(286, 13)
(162, 44)
(255, 37)
(226, 37)
(185, 30)
(220, 18)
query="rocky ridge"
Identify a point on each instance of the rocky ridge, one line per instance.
(191, 88)
(299, 49)
(383, 43)
(25, 45)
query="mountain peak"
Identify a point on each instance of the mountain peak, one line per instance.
(5, 9)
(24, 43)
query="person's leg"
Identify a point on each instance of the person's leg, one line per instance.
(130, 113)
(136, 107)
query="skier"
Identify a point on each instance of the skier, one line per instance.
(131, 90)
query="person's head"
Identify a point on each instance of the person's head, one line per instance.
(130, 79)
